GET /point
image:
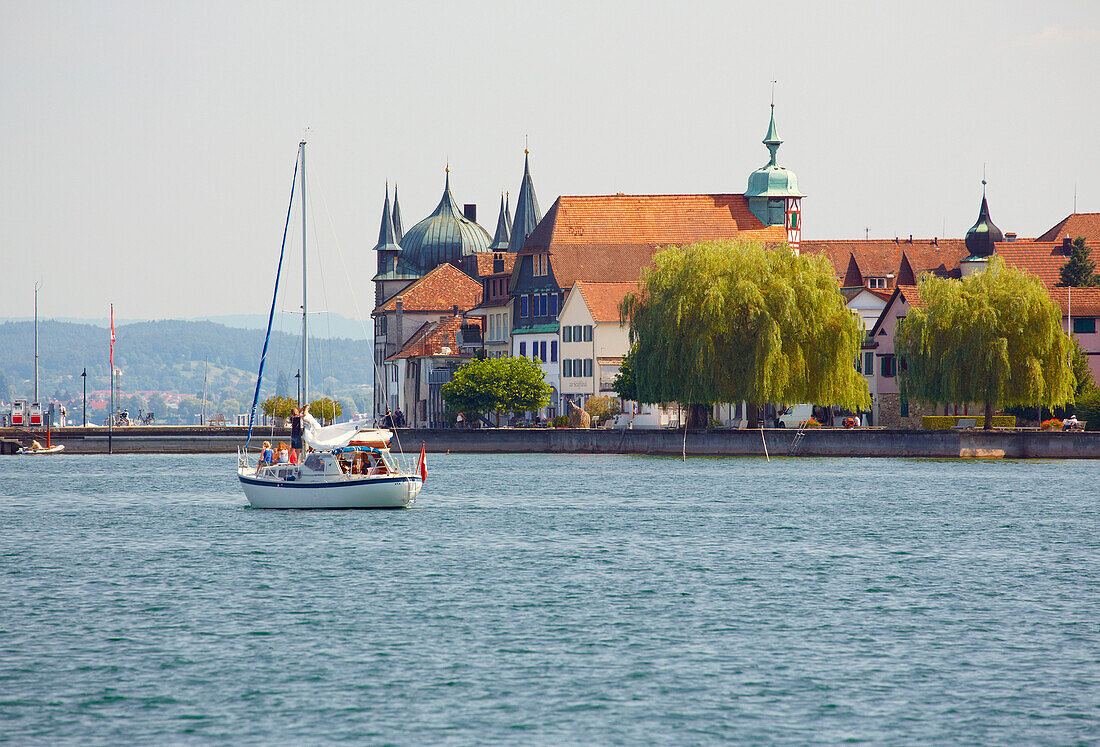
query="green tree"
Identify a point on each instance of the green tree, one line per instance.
(994, 338)
(487, 385)
(1082, 372)
(325, 409)
(159, 406)
(728, 321)
(277, 406)
(624, 384)
(602, 408)
(1079, 270)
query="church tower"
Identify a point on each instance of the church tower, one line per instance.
(773, 191)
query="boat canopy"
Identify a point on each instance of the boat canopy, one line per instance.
(328, 438)
(350, 449)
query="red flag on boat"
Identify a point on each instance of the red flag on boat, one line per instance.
(112, 342)
(423, 467)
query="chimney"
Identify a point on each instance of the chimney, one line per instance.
(1010, 238)
(1067, 246)
(896, 241)
(935, 241)
(910, 238)
(470, 212)
(454, 310)
(398, 318)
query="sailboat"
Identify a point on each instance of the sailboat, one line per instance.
(36, 407)
(347, 465)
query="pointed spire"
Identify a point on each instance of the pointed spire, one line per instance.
(528, 214)
(984, 234)
(398, 232)
(771, 140)
(508, 210)
(387, 246)
(500, 240)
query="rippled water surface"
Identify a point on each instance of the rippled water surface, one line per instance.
(555, 599)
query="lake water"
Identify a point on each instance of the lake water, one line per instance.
(555, 599)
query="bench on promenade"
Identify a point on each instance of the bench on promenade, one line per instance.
(964, 423)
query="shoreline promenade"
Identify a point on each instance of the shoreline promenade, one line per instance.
(825, 442)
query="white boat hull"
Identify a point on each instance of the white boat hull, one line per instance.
(382, 492)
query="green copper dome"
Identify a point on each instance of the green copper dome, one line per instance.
(444, 236)
(772, 180)
(984, 234)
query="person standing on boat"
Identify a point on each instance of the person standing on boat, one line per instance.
(296, 431)
(387, 419)
(399, 418)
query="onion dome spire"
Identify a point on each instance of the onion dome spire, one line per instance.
(397, 230)
(444, 236)
(984, 234)
(500, 240)
(528, 214)
(771, 140)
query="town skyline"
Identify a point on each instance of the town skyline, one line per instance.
(151, 147)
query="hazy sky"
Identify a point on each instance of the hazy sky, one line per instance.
(147, 147)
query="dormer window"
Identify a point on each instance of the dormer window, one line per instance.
(874, 283)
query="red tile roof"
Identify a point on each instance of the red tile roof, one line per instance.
(1085, 301)
(435, 339)
(882, 257)
(610, 238)
(1074, 225)
(602, 299)
(1043, 259)
(439, 291)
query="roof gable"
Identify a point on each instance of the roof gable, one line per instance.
(610, 238)
(438, 291)
(1074, 225)
(602, 299)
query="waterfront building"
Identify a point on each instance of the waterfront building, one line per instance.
(611, 238)
(496, 305)
(593, 341)
(426, 362)
(445, 290)
(1040, 257)
(446, 236)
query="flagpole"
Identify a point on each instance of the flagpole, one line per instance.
(111, 413)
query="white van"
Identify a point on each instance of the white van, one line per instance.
(794, 415)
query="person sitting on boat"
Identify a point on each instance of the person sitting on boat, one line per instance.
(35, 446)
(284, 453)
(267, 456)
(399, 418)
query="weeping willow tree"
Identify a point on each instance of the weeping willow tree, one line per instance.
(728, 321)
(995, 338)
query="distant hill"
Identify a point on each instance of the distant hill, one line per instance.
(169, 356)
(322, 325)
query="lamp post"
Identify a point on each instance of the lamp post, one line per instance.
(84, 376)
(298, 376)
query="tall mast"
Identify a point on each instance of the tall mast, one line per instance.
(36, 343)
(305, 317)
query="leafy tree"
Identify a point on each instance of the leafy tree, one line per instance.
(159, 406)
(728, 321)
(1079, 269)
(1082, 372)
(624, 384)
(189, 409)
(486, 385)
(324, 409)
(994, 338)
(602, 408)
(277, 406)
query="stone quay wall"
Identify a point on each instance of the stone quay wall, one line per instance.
(826, 442)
